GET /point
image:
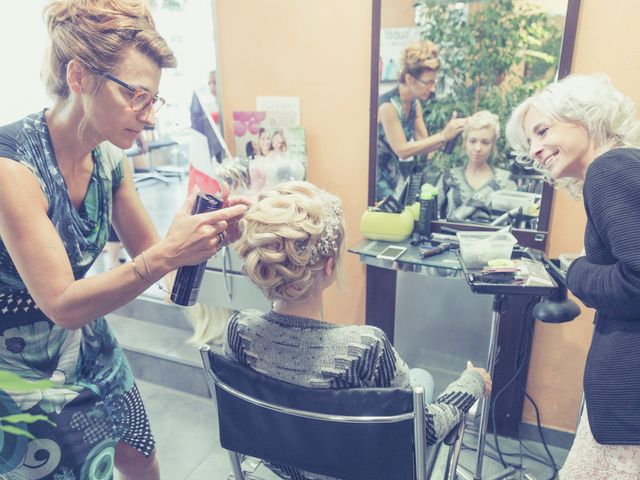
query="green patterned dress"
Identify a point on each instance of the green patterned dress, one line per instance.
(96, 402)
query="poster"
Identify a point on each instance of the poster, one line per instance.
(392, 41)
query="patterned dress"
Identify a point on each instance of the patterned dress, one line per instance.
(388, 165)
(96, 402)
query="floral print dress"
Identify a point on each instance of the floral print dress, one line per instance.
(95, 402)
(388, 165)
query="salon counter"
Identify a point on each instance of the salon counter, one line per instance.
(428, 311)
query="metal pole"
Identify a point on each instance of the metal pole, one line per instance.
(486, 402)
(491, 360)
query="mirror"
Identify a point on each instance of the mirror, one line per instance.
(191, 89)
(492, 54)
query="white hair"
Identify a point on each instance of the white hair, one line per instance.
(590, 101)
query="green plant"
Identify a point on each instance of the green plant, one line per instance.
(14, 383)
(493, 55)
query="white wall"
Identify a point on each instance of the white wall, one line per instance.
(23, 39)
(22, 43)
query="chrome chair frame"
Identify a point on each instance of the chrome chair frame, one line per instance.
(421, 469)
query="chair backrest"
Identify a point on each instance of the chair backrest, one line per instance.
(351, 434)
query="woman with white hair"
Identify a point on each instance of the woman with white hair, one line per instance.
(292, 242)
(464, 192)
(584, 135)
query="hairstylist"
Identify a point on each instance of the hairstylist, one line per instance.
(402, 133)
(63, 180)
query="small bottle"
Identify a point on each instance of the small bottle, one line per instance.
(188, 279)
(426, 210)
(434, 209)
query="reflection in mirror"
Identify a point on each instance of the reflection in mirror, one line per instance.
(191, 89)
(448, 80)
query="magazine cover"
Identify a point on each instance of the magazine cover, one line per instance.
(275, 153)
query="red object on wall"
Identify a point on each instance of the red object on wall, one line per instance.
(204, 182)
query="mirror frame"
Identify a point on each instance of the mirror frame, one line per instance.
(530, 238)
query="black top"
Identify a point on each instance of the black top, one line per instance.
(608, 279)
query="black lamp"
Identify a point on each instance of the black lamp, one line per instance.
(556, 308)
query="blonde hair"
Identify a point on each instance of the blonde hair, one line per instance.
(98, 34)
(482, 119)
(587, 100)
(276, 232)
(417, 58)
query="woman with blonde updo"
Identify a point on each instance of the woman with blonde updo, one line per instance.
(292, 241)
(63, 180)
(402, 133)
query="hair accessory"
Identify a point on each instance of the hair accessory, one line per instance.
(327, 244)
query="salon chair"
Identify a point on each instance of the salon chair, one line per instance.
(351, 434)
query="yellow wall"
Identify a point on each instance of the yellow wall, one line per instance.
(318, 51)
(606, 42)
(397, 13)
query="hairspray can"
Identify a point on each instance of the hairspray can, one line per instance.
(188, 279)
(450, 145)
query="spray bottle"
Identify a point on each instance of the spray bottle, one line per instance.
(188, 279)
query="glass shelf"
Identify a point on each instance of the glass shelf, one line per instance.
(445, 264)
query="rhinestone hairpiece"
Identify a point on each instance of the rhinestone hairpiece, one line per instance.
(327, 244)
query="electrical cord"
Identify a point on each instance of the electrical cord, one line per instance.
(544, 443)
(533, 457)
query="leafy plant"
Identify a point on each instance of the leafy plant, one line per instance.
(493, 55)
(14, 383)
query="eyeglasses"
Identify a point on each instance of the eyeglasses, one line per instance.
(141, 98)
(428, 83)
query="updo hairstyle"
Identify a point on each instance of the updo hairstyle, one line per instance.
(98, 34)
(417, 58)
(287, 238)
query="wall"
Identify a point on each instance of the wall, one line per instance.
(318, 51)
(605, 42)
(397, 13)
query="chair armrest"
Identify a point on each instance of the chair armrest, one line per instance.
(455, 432)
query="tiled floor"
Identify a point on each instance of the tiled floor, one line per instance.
(185, 426)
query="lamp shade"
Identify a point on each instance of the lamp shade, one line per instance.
(550, 310)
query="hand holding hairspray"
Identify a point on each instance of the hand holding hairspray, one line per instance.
(188, 279)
